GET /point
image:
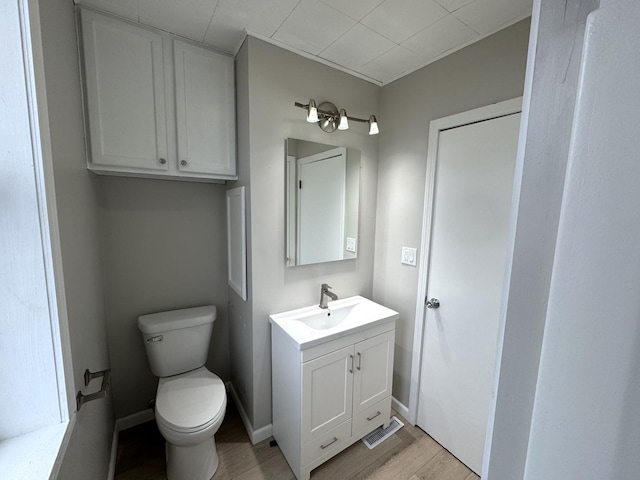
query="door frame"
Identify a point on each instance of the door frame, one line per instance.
(501, 109)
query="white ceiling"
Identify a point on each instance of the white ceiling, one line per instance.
(379, 40)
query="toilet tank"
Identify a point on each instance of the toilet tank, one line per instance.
(178, 340)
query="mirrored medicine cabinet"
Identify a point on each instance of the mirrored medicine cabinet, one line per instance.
(322, 200)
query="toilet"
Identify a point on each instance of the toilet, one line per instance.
(190, 400)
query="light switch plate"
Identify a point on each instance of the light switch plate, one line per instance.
(409, 256)
(351, 244)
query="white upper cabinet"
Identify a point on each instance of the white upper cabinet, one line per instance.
(206, 136)
(133, 78)
(124, 94)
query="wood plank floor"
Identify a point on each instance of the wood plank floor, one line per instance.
(409, 454)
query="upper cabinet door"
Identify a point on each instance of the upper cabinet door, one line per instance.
(125, 94)
(205, 109)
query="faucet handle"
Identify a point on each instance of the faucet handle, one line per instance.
(325, 287)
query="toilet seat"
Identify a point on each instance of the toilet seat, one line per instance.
(190, 402)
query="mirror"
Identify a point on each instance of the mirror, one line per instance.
(322, 196)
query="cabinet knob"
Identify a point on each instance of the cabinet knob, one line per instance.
(183, 162)
(163, 161)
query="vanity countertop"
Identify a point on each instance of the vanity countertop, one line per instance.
(310, 326)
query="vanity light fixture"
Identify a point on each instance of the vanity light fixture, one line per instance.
(344, 123)
(312, 114)
(373, 125)
(330, 119)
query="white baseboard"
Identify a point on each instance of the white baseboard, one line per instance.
(121, 424)
(400, 408)
(114, 453)
(256, 436)
(135, 419)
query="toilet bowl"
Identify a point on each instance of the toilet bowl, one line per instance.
(190, 408)
(190, 400)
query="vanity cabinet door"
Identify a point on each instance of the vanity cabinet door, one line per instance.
(373, 371)
(125, 95)
(205, 110)
(327, 392)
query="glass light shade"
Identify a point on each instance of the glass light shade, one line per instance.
(344, 122)
(373, 125)
(312, 116)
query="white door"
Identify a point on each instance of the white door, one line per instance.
(469, 233)
(322, 189)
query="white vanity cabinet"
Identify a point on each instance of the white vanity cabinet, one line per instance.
(156, 106)
(330, 395)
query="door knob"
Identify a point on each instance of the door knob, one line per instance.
(433, 303)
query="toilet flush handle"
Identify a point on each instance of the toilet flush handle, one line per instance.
(157, 338)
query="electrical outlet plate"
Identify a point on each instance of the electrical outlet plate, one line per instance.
(351, 244)
(409, 256)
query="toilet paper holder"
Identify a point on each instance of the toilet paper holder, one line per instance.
(81, 399)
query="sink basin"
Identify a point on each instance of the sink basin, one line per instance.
(329, 319)
(310, 326)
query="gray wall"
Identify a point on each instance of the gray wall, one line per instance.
(486, 72)
(164, 247)
(87, 454)
(277, 78)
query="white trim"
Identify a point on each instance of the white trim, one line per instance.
(121, 424)
(517, 187)
(36, 454)
(134, 419)
(39, 454)
(256, 436)
(237, 240)
(43, 164)
(507, 107)
(401, 408)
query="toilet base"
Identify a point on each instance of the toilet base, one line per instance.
(195, 462)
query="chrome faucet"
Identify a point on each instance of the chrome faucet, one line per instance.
(325, 291)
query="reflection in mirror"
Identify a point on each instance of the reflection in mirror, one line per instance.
(322, 195)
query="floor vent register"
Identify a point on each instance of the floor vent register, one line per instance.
(379, 435)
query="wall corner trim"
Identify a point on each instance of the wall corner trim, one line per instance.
(256, 436)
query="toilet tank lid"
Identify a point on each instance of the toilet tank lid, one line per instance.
(176, 319)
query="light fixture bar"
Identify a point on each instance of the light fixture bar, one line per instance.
(340, 118)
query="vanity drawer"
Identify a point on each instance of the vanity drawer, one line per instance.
(374, 416)
(327, 444)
